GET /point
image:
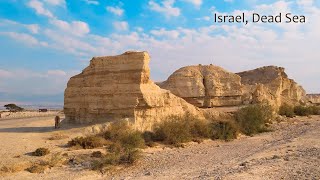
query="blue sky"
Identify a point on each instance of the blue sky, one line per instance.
(45, 42)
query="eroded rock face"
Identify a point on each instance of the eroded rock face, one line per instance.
(270, 84)
(119, 87)
(314, 98)
(205, 86)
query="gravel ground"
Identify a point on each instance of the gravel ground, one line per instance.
(291, 151)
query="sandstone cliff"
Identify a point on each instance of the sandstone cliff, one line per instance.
(270, 84)
(205, 86)
(119, 87)
(314, 98)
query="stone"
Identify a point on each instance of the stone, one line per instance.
(115, 88)
(271, 84)
(205, 86)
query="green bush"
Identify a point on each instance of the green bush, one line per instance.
(180, 129)
(286, 110)
(252, 119)
(314, 110)
(121, 133)
(173, 131)
(132, 140)
(224, 130)
(89, 142)
(302, 110)
(41, 152)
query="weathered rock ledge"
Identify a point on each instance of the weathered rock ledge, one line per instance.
(119, 87)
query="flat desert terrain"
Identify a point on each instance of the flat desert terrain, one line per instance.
(291, 151)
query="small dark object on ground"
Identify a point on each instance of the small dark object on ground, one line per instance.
(41, 152)
(96, 154)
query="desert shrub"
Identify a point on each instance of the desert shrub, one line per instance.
(89, 142)
(130, 156)
(252, 119)
(314, 110)
(132, 140)
(173, 131)
(58, 136)
(286, 110)
(224, 130)
(179, 129)
(41, 152)
(302, 110)
(121, 133)
(37, 168)
(96, 154)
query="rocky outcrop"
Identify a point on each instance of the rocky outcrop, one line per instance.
(119, 87)
(205, 86)
(270, 84)
(314, 98)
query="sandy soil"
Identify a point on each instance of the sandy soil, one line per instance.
(292, 151)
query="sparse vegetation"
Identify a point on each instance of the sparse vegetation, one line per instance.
(225, 130)
(177, 130)
(58, 136)
(41, 152)
(252, 119)
(286, 110)
(302, 110)
(89, 142)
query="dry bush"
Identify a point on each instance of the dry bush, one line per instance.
(314, 110)
(180, 129)
(286, 110)
(58, 136)
(302, 110)
(41, 152)
(97, 154)
(89, 142)
(252, 119)
(224, 130)
(15, 167)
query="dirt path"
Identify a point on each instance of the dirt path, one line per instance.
(292, 151)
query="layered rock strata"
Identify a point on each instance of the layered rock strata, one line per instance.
(270, 84)
(314, 98)
(205, 86)
(119, 87)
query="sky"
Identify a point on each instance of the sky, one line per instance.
(45, 42)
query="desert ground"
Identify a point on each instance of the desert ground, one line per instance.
(291, 151)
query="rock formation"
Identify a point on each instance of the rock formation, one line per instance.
(270, 84)
(314, 98)
(205, 86)
(119, 87)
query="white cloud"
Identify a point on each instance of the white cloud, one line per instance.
(197, 3)
(92, 2)
(173, 34)
(17, 81)
(121, 25)
(24, 38)
(166, 8)
(5, 73)
(77, 28)
(39, 8)
(115, 10)
(56, 2)
(33, 28)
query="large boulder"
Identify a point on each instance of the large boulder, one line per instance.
(119, 87)
(205, 86)
(271, 84)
